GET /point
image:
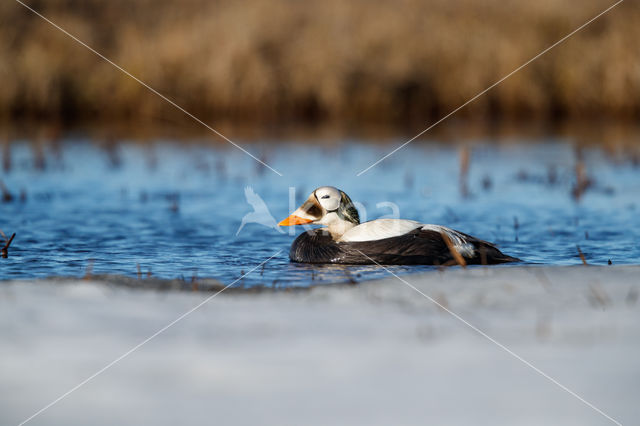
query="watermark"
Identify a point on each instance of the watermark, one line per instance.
(261, 213)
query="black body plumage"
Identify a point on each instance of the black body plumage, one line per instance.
(418, 247)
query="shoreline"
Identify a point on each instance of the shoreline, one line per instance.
(208, 284)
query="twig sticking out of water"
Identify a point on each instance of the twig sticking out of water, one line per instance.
(4, 252)
(465, 156)
(552, 175)
(584, 261)
(174, 199)
(7, 196)
(583, 182)
(487, 183)
(111, 148)
(454, 252)
(39, 159)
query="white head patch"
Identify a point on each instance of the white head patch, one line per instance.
(328, 197)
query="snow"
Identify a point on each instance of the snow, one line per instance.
(375, 353)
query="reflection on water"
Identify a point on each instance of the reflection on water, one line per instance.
(174, 210)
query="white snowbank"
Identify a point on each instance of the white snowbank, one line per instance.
(377, 353)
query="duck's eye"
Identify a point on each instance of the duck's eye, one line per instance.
(324, 197)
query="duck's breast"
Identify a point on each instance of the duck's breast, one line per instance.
(315, 246)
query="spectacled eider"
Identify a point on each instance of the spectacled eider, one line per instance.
(386, 241)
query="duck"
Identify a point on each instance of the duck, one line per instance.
(344, 240)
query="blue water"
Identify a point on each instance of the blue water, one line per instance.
(174, 208)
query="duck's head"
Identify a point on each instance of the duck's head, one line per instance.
(326, 206)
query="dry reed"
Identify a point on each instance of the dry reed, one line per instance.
(359, 61)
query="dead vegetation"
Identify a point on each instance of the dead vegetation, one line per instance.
(4, 251)
(276, 59)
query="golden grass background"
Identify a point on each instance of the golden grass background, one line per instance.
(352, 61)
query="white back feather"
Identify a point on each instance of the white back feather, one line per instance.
(387, 228)
(379, 229)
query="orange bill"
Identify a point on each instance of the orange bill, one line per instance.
(294, 220)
